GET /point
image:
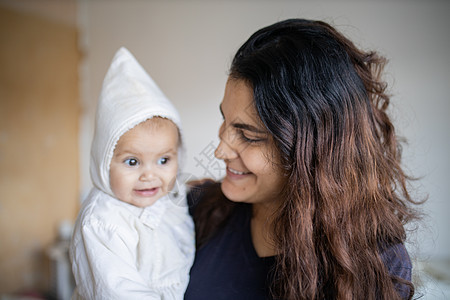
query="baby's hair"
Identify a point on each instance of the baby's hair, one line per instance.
(157, 122)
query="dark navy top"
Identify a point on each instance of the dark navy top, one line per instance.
(227, 266)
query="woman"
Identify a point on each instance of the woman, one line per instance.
(314, 200)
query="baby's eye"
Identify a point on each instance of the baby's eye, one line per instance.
(131, 162)
(163, 160)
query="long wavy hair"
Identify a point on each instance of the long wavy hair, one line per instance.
(345, 197)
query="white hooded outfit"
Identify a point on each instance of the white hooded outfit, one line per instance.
(120, 251)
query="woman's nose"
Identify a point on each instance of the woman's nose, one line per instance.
(226, 149)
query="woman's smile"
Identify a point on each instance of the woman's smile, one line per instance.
(236, 172)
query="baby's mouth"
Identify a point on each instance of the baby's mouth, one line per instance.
(147, 192)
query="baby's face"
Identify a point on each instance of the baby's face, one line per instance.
(145, 162)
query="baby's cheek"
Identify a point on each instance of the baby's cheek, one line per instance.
(169, 180)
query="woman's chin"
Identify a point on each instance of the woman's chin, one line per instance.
(232, 192)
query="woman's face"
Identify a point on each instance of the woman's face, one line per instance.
(252, 172)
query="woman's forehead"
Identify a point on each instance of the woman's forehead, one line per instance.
(238, 103)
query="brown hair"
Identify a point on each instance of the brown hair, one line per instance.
(346, 197)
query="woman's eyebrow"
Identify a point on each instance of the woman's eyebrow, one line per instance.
(248, 127)
(243, 126)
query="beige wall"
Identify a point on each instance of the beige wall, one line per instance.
(39, 113)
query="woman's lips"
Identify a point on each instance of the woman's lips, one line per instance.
(147, 192)
(235, 174)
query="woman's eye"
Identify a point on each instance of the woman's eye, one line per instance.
(247, 139)
(131, 162)
(163, 160)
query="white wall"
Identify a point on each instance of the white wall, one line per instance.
(186, 46)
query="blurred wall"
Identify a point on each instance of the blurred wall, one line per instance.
(39, 110)
(187, 46)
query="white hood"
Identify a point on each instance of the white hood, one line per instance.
(129, 96)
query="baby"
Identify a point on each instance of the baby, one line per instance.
(133, 238)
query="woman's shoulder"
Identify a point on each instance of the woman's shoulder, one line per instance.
(209, 208)
(199, 190)
(397, 260)
(398, 263)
